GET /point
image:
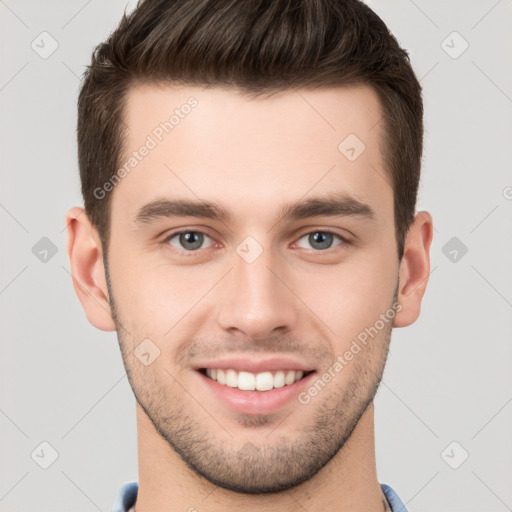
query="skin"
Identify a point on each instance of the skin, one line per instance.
(252, 156)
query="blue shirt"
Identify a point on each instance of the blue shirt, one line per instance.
(127, 496)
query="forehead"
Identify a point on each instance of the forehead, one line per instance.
(250, 154)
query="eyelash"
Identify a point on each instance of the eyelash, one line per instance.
(343, 241)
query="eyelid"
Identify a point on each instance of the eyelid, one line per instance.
(343, 239)
(177, 231)
(203, 231)
(172, 234)
(347, 236)
(341, 232)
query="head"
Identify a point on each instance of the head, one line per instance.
(269, 223)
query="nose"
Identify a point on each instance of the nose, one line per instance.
(257, 301)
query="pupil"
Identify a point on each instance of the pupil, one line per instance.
(323, 240)
(192, 238)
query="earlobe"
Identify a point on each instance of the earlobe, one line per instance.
(86, 260)
(414, 269)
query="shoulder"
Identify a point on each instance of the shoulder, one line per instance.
(126, 497)
(394, 501)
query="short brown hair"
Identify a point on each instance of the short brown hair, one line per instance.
(256, 47)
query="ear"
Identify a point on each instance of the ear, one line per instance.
(86, 258)
(414, 269)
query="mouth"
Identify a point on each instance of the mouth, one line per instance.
(248, 381)
(254, 388)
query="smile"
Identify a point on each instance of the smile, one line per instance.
(247, 381)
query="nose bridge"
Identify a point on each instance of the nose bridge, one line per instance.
(255, 301)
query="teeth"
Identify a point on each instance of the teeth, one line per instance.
(289, 377)
(264, 381)
(221, 377)
(279, 379)
(247, 381)
(231, 378)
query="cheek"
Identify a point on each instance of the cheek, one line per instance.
(151, 296)
(350, 297)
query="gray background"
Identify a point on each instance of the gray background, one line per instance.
(448, 378)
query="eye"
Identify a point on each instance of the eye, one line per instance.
(188, 240)
(321, 240)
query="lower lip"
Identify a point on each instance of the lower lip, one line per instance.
(256, 402)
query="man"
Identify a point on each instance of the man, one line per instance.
(249, 172)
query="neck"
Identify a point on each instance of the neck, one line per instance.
(347, 483)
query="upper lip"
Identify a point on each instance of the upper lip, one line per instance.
(252, 365)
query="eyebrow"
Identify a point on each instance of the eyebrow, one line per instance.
(332, 205)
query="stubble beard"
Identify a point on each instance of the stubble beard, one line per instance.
(281, 463)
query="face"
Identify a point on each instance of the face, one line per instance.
(253, 275)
